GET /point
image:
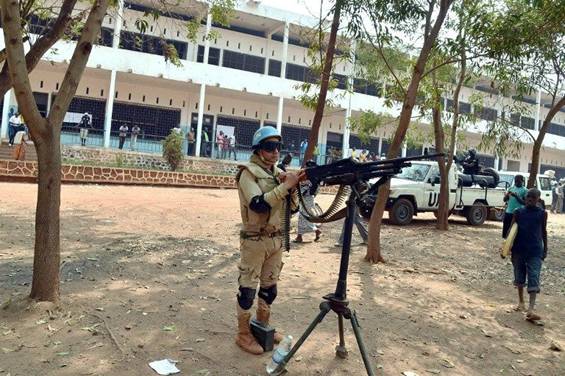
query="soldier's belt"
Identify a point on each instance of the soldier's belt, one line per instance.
(266, 234)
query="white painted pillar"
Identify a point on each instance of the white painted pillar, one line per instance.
(404, 150)
(280, 113)
(109, 109)
(5, 113)
(380, 147)
(206, 39)
(112, 89)
(200, 119)
(496, 162)
(285, 50)
(267, 49)
(118, 25)
(49, 102)
(347, 128)
(538, 110)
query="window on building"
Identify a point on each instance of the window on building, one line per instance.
(237, 60)
(341, 81)
(528, 122)
(150, 44)
(486, 113)
(213, 55)
(275, 67)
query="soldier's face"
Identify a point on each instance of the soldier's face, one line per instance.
(270, 157)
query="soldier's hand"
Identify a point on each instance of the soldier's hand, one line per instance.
(290, 180)
(282, 176)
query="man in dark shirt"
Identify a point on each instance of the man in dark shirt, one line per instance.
(529, 250)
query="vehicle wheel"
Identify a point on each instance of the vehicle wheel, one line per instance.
(477, 214)
(496, 214)
(401, 212)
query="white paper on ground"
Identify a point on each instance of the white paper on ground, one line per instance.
(164, 367)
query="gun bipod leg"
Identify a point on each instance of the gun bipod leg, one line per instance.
(324, 309)
(340, 350)
(360, 343)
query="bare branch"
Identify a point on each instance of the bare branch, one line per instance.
(11, 22)
(78, 62)
(42, 45)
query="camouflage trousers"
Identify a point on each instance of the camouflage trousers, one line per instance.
(261, 261)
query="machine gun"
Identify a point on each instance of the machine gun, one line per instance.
(349, 173)
(352, 178)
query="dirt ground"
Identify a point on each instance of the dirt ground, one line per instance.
(151, 273)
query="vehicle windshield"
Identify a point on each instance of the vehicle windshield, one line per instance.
(545, 183)
(416, 172)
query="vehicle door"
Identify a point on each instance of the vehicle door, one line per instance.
(544, 185)
(431, 189)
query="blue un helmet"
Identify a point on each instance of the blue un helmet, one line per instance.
(264, 133)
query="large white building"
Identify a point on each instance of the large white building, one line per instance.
(241, 80)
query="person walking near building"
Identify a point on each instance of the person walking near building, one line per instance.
(232, 144)
(84, 126)
(304, 225)
(190, 138)
(225, 146)
(262, 189)
(529, 250)
(303, 147)
(560, 196)
(13, 127)
(123, 133)
(219, 144)
(515, 199)
(135, 131)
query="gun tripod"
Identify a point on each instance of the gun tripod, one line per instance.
(337, 302)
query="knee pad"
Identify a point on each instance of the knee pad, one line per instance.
(268, 294)
(245, 297)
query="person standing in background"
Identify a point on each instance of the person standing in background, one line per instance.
(515, 198)
(135, 131)
(190, 138)
(232, 144)
(123, 133)
(84, 126)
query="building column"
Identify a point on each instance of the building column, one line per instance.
(206, 39)
(496, 162)
(267, 49)
(5, 113)
(380, 147)
(118, 25)
(347, 128)
(285, 50)
(200, 119)
(538, 110)
(109, 109)
(404, 150)
(280, 113)
(112, 90)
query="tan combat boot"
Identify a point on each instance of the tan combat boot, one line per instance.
(263, 314)
(244, 338)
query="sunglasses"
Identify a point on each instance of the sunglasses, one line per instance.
(271, 146)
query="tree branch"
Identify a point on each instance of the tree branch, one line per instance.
(11, 22)
(78, 62)
(42, 45)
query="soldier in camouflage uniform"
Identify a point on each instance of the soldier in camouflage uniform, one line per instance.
(263, 189)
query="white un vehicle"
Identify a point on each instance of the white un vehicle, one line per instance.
(416, 190)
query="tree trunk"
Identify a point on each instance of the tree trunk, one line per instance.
(45, 283)
(374, 249)
(326, 73)
(443, 208)
(46, 136)
(539, 142)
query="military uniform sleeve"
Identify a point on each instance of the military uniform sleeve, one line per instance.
(250, 189)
